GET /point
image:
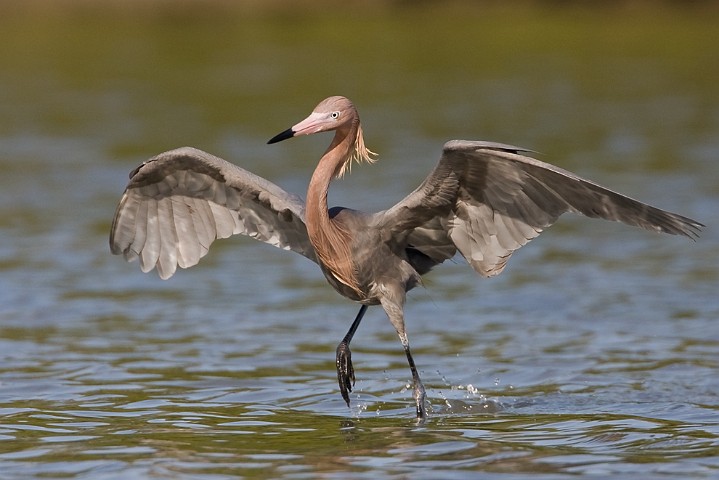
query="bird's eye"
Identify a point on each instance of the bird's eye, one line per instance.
(335, 115)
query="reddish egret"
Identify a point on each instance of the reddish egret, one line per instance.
(483, 200)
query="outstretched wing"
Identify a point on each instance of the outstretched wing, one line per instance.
(180, 201)
(486, 200)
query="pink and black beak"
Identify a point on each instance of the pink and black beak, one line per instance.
(316, 122)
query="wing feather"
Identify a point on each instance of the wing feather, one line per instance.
(189, 247)
(490, 200)
(200, 212)
(167, 262)
(138, 242)
(180, 201)
(150, 253)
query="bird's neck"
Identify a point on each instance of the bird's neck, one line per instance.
(329, 237)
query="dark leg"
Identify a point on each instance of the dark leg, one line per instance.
(419, 392)
(345, 371)
(393, 308)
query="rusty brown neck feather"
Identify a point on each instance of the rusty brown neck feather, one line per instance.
(330, 240)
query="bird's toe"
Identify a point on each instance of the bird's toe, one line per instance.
(345, 371)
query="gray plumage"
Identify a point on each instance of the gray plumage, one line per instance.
(486, 200)
(483, 200)
(177, 203)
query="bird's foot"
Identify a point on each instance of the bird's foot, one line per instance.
(345, 371)
(419, 398)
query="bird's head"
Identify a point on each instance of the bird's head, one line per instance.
(333, 113)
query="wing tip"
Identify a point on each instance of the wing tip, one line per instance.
(691, 229)
(675, 224)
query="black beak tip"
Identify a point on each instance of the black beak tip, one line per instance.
(282, 136)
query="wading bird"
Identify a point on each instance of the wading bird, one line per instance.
(483, 200)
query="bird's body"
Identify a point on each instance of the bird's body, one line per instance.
(366, 243)
(483, 200)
